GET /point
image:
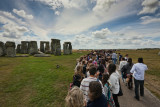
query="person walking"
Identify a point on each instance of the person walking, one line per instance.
(114, 57)
(122, 63)
(120, 57)
(114, 80)
(127, 74)
(138, 71)
(85, 82)
(107, 90)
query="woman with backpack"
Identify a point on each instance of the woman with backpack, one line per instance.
(115, 84)
(107, 90)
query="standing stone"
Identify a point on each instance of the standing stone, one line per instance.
(2, 49)
(55, 47)
(24, 47)
(64, 48)
(42, 46)
(47, 51)
(18, 48)
(58, 48)
(53, 44)
(70, 48)
(33, 48)
(46, 48)
(159, 53)
(10, 49)
(67, 48)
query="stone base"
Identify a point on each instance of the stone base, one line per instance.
(22, 55)
(42, 55)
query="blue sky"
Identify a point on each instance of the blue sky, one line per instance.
(96, 24)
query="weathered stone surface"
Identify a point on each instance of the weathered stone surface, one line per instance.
(33, 48)
(45, 49)
(70, 48)
(55, 47)
(18, 50)
(42, 55)
(10, 49)
(2, 49)
(159, 53)
(67, 48)
(42, 46)
(25, 47)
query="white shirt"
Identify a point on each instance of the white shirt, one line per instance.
(114, 81)
(138, 71)
(85, 86)
(114, 55)
(122, 63)
(88, 74)
(126, 58)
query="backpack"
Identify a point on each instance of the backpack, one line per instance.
(124, 71)
(110, 101)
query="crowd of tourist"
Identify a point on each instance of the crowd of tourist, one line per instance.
(96, 80)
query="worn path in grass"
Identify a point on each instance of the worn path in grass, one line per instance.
(128, 100)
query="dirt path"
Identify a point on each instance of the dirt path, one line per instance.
(128, 100)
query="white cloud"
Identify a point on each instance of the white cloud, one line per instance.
(22, 13)
(73, 21)
(103, 5)
(57, 13)
(7, 17)
(57, 4)
(102, 34)
(13, 31)
(131, 40)
(149, 6)
(54, 4)
(150, 19)
(13, 27)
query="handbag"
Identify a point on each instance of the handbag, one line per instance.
(120, 93)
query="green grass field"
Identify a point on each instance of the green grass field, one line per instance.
(36, 82)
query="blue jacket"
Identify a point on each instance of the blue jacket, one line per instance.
(100, 102)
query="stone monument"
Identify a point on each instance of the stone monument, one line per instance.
(2, 49)
(45, 49)
(18, 50)
(33, 48)
(67, 48)
(10, 49)
(55, 47)
(25, 47)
